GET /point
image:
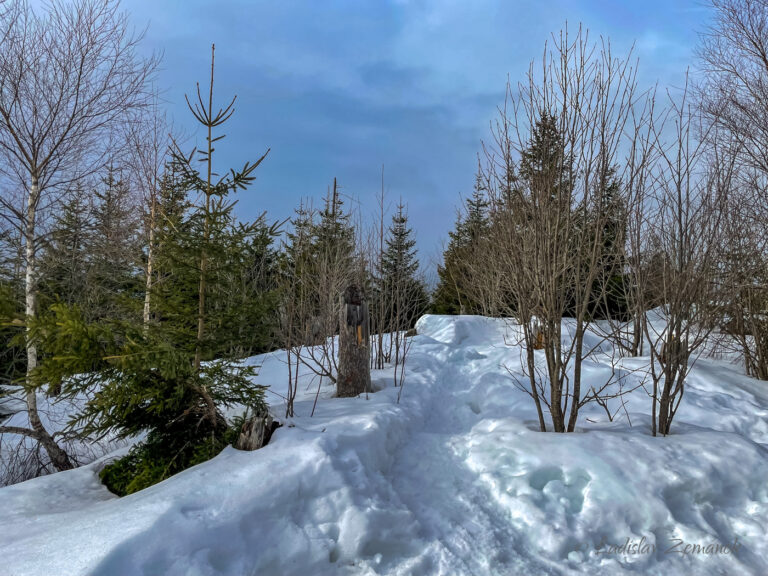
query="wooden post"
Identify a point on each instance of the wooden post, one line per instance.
(354, 354)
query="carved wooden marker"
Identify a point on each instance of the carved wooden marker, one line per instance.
(354, 362)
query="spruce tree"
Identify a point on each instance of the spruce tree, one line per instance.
(333, 237)
(334, 259)
(454, 294)
(12, 353)
(545, 164)
(243, 306)
(13, 360)
(296, 268)
(173, 292)
(165, 379)
(64, 262)
(212, 217)
(611, 291)
(298, 245)
(405, 296)
(297, 300)
(476, 223)
(114, 249)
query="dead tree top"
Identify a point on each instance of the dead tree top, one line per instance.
(354, 295)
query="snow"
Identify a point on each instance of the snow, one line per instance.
(20, 456)
(455, 479)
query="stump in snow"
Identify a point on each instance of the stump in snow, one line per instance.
(354, 354)
(256, 432)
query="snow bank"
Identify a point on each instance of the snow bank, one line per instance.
(455, 479)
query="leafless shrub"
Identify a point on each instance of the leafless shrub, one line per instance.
(553, 173)
(680, 221)
(734, 98)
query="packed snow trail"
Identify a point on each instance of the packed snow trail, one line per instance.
(463, 530)
(453, 480)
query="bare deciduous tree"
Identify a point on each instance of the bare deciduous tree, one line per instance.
(734, 98)
(734, 94)
(68, 78)
(555, 162)
(680, 221)
(149, 141)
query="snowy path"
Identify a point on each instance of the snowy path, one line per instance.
(463, 528)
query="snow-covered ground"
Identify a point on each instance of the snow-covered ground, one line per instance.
(455, 479)
(22, 457)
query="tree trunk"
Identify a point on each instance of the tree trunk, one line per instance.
(58, 456)
(354, 364)
(150, 261)
(577, 361)
(29, 277)
(531, 359)
(209, 123)
(201, 297)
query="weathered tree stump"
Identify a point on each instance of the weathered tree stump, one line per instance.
(256, 432)
(354, 351)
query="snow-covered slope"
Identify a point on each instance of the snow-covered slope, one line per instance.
(453, 480)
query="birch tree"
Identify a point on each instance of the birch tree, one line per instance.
(149, 142)
(69, 75)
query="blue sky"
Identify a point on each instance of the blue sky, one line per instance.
(340, 87)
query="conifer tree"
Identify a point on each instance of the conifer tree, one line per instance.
(243, 306)
(545, 165)
(319, 255)
(214, 214)
(164, 379)
(333, 242)
(611, 289)
(334, 259)
(320, 261)
(12, 353)
(114, 249)
(297, 301)
(173, 292)
(64, 260)
(297, 247)
(405, 296)
(454, 293)
(297, 263)
(476, 222)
